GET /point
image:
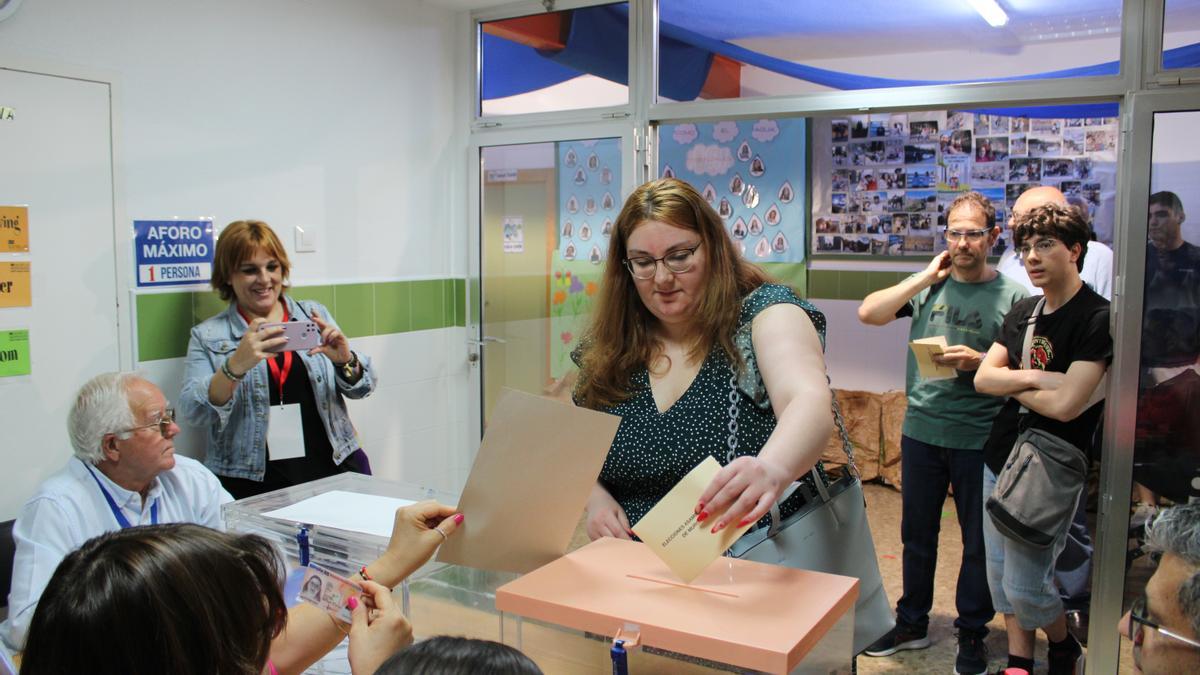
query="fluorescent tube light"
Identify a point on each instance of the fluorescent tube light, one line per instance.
(990, 11)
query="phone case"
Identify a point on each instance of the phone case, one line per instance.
(301, 335)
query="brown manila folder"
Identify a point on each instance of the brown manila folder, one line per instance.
(529, 484)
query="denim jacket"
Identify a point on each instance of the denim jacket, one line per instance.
(237, 431)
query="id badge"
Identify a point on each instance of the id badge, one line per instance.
(328, 591)
(285, 432)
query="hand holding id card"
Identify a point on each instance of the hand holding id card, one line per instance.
(328, 591)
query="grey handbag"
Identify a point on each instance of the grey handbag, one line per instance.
(828, 534)
(1038, 489)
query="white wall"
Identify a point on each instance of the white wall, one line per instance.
(338, 117)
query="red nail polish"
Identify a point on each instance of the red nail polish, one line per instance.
(745, 522)
(352, 603)
(458, 518)
(699, 508)
(702, 517)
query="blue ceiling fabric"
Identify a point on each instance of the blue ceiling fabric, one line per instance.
(597, 44)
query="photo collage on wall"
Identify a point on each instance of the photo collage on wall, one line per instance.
(884, 181)
(752, 172)
(589, 194)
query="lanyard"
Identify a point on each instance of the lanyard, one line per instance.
(116, 510)
(278, 374)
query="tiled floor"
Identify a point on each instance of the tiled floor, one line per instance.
(883, 512)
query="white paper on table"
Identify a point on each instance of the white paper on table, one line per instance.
(353, 511)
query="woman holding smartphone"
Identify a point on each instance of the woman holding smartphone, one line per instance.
(275, 413)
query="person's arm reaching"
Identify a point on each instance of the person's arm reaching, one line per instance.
(792, 364)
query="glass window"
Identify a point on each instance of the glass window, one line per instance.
(1166, 457)
(555, 61)
(712, 49)
(547, 210)
(1181, 34)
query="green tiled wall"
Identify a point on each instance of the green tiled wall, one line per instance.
(849, 284)
(165, 319)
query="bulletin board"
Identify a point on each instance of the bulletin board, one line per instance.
(882, 182)
(753, 172)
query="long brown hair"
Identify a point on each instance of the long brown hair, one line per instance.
(621, 338)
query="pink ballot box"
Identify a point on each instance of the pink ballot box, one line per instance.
(746, 614)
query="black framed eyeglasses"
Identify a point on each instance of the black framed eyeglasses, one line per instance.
(1138, 619)
(677, 262)
(164, 423)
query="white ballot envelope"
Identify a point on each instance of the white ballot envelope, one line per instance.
(924, 350)
(671, 530)
(529, 484)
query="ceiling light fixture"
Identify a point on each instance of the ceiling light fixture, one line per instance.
(990, 11)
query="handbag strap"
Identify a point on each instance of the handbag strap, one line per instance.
(822, 490)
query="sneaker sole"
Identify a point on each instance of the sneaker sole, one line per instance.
(911, 644)
(973, 672)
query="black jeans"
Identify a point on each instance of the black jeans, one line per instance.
(926, 473)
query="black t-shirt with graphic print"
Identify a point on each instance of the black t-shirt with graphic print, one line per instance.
(1077, 331)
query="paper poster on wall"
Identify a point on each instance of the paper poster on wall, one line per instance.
(589, 198)
(15, 285)
(882, 183)
(514, 234)
(752, 172)
(173, 252)
(14, 229)
(14, 353)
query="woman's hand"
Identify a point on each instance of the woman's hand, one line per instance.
(378, 629)
(417, 531)
(605, 517)
(741, 493)
(255, 346)
(334, 344)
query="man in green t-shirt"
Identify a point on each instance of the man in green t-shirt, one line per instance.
(963, 299)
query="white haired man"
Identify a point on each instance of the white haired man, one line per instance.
(124, 473)
(1164, 623)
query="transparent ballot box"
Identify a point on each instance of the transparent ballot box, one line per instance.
(442, 599)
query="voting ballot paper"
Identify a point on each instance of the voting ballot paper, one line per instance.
(529, 484)
(671, 530)
(924, 350)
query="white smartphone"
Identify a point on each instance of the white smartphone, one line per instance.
(301, 335)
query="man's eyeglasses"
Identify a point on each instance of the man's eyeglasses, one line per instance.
(164, 423)
(1137, 619)
(677, 261)
(1043, 247)
(969, 235)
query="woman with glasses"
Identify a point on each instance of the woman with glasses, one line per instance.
(1164, 623)
(187, 599)
(700, 354)
(275, 416)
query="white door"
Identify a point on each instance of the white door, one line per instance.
(57, 159)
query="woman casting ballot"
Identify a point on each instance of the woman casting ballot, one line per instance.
(274, 413)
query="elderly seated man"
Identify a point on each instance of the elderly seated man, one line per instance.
(124, 473)
(1164, 624)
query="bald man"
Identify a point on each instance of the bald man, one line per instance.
(1097, 264)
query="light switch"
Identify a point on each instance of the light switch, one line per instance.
(306, 241)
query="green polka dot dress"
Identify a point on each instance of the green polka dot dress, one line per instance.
(652, 451)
